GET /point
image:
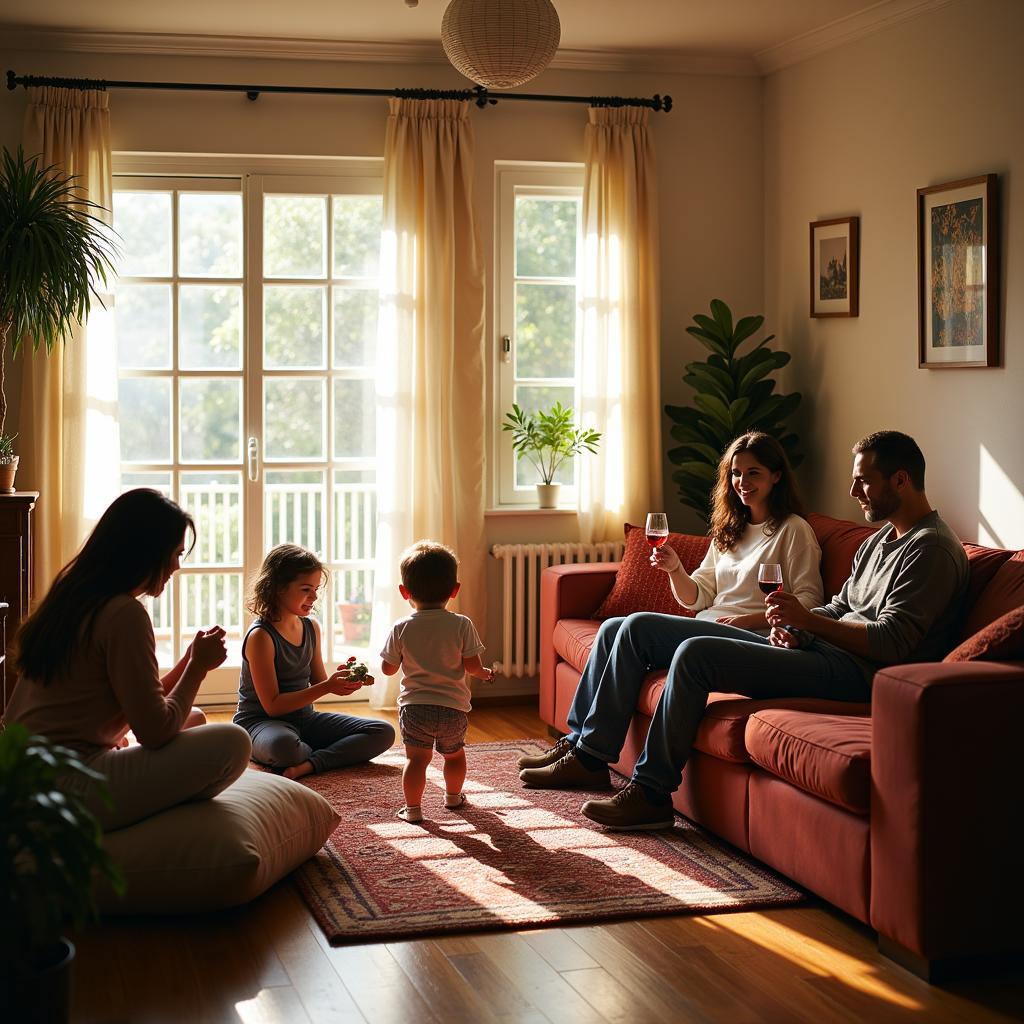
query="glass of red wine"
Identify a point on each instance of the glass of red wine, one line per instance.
(656, 529)
(769, 577)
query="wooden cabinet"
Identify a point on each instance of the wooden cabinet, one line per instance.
(15, 569)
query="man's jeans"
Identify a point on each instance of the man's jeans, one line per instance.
(702, 657)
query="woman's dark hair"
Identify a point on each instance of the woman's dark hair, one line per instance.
(133, 545)
(729, 516)
(283, 565)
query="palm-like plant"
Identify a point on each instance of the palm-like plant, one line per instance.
(733, 395)
(546, 439)
(54, 252)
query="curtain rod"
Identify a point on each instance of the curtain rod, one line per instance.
(479, 95)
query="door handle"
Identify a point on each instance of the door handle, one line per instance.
(253, 459)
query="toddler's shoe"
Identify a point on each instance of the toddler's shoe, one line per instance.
(454, 799)
(411, 814)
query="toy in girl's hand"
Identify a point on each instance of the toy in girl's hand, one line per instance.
(357, 671)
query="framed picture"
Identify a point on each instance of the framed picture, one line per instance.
(835, 273)
(958, 273)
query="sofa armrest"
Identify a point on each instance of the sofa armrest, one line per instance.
(567, 592)
(946, 807)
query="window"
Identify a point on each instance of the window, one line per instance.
(246, 313)
(537, 298)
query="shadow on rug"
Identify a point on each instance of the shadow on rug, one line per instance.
(508, 858)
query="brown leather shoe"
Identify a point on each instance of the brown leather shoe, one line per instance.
(629, 811)
(550, 756)
(567, 772)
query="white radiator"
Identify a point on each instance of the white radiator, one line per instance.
(522, 565)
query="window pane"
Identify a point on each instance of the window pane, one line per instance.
(294, 236)
(355, 419)
(357, 225)
(533, 399)
(145, 414)
(355, 514)
(160, 611)
(210, 235)
(355, 326)
(215, 502)
(142, 318)
(143, 220)
(293, 510)
(353, 595)
(157, 481)
(211, 420)
(545, 330)
(294, 327)
(211, 598)
(546, 237)
(210, 327)
(293, 419)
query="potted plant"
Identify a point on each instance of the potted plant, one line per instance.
(51, 851)
(734, 394)
(8, 463)
(354, 613)
(54, 250)
(547, 439)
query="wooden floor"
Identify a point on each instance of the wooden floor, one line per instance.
(268, 963)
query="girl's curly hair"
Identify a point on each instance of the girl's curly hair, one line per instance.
(283, 565)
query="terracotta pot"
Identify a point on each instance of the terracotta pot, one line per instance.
(355, 632)
(7, 471)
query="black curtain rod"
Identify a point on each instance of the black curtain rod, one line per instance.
(479, 95)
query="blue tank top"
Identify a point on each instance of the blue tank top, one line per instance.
(292, 665)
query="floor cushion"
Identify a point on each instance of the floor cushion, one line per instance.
(210, 854)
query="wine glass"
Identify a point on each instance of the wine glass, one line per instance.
(769, 577)
(656, 529)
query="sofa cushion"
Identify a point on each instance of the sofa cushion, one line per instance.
(639, 587)
(839, 540)
(573, 638)
(982, 563)
(217, 853)
(1002, 640)
(826, 755)
(1004, 592)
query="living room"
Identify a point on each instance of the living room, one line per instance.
(780, 118)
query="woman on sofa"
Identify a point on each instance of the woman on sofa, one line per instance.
(87, 659)
(755, 519)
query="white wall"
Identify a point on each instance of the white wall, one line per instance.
(709, 152)
(857, 131)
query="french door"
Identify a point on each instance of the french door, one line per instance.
(246, 313)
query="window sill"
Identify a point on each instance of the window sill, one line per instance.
(526, 510)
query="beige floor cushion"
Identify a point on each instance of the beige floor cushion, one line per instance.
(217, 853)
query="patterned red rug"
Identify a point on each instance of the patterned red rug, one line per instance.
(509, 858)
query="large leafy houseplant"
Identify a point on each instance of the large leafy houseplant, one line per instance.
(734, 394)
(50, 852)
(54, 252)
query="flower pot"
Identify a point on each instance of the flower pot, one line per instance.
(7, 471)
(354, 622)
(44, 994)
(547, 495)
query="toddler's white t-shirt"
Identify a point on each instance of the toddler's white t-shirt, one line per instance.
(429, 645)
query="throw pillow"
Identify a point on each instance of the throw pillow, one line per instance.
(210, 854)
(1002, 640)
(639, 587)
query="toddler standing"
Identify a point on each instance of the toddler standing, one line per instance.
(435, 649)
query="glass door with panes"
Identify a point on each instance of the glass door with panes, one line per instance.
(246, 313)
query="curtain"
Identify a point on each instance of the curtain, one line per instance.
(620, 387)
(430, 366)
(68, 424)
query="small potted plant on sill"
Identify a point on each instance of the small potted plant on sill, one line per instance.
(547, 439)
(354, 613)
(51, 850)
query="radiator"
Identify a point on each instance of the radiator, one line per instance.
(522, 565)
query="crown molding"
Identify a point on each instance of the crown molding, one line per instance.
(340, 51)
(864, 23)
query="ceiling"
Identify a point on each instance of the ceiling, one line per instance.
(744, 29)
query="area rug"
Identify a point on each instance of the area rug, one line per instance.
(508, 858)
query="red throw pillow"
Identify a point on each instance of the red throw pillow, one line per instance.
(639, 587)
(1002, 640)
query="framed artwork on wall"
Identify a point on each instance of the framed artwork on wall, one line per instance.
(958, 273)
(835, 270)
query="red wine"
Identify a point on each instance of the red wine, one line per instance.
(769, 586)
(656, 539)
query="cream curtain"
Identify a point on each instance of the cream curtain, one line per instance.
(68, 423)
(621, 393)
(430, 390)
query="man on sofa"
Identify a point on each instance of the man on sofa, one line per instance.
(900, 604)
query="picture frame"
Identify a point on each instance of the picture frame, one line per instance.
(958, 273)
(835, 267)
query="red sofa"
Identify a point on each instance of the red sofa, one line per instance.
(904, 812)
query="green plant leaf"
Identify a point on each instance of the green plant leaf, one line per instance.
(723, 317)
(745, 327)
(708, 341)
(714, 407)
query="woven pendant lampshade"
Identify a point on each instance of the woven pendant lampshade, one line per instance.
(500, 43)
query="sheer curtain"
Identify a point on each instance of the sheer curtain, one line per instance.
(68, 426)
(621, 392)
(430, 390)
